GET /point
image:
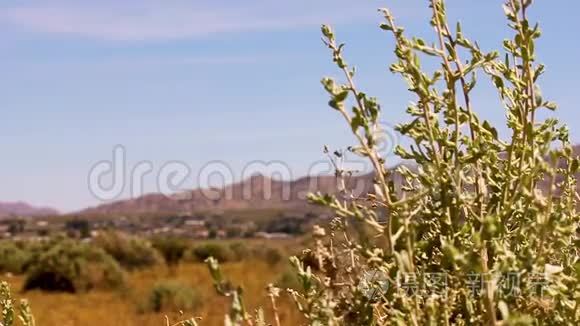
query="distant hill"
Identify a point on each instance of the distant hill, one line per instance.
(21, 209)
(257, 192)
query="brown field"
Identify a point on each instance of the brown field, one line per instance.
(120, 307)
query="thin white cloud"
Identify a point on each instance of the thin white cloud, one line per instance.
(166, 20)
(140, 62)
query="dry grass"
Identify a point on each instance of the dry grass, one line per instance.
(121, 307)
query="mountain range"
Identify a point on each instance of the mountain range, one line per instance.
(9, 209)
(257, 193)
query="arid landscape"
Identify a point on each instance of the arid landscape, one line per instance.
(124, 306)
(169, 163)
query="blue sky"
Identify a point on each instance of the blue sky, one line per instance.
(197, 81)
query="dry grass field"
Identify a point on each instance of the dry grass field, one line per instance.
(121, 307)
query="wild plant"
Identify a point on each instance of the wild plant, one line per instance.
(483, 229)
(11, 312)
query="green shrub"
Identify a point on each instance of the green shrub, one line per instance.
(70, 266)
(172, 296)
(240, 251)
(220, 252)
(172, 249)
(479, 229)
(130, 251)
(272, 256)
(475, 210)
(234, 252)
(13, 258)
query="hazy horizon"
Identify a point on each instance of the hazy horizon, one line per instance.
(210, 81)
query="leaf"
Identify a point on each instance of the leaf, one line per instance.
(341, 97)
(498, 82)
(487, 126)
(459, 33)
(335, 105)
(327, 32)
(538, 94)
(356, 122)
(386, 27)
(329, 85)
(551, 106)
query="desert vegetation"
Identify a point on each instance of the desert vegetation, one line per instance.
(172, 296)
(482, 229)
(72, 267)
(131, 252)
(13, 258)
(95, 283)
